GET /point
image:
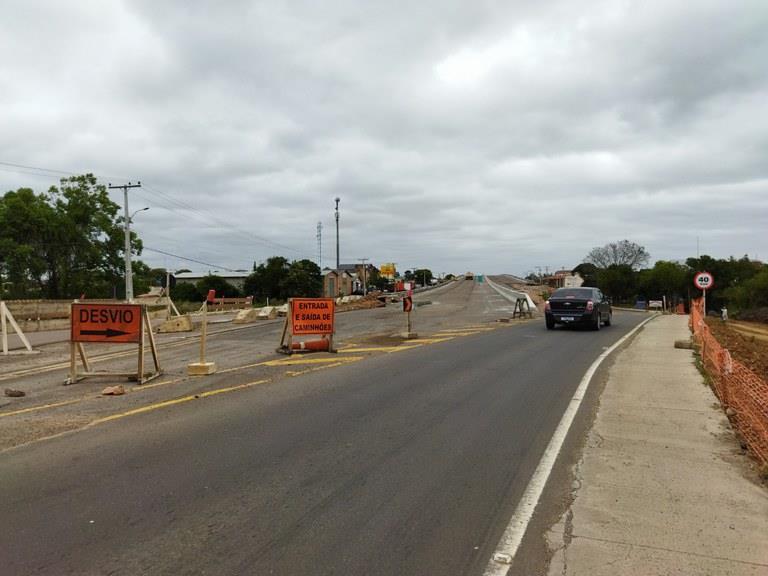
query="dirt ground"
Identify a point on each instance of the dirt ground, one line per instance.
(746, 341)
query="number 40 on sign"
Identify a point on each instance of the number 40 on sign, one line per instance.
(704, 281)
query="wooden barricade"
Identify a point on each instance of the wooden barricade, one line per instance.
(110, 324)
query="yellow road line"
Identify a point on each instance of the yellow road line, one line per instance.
(109, 356)
(243, 367)
(404, 348)
(140, 387)
(166, 403)
(76, 400)
(296, 361)
(42, 407)
(370, 349)
(463, 333)
(430, 340)
(293, 373)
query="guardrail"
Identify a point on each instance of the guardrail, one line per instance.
(510, 294)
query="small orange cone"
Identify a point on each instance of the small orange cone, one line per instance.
(312, 345)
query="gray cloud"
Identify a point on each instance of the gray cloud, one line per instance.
(496, 136)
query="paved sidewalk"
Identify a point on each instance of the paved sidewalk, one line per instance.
(661, 487)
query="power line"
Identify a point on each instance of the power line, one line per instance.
(215, 266)
(164, 200)
(209, 217)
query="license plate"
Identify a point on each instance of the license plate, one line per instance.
(566, 318)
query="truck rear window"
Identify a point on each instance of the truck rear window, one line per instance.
(572, 293)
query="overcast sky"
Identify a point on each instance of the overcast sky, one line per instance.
(475, 135)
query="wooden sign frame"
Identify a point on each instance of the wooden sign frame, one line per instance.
(76, 348)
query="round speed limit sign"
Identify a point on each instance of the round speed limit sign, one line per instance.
(704, 281)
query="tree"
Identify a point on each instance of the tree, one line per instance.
(267, 279)
(423, 276)
(664, 279)
(728, 273)
(303, 279)
(186, 292)
(751, 294)
(618, 281)
(588, 272)
(63, 243)
(619, 253)
(212, 282)
(27, 229)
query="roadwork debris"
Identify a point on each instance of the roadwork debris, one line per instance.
(113, 391)
(13, 393)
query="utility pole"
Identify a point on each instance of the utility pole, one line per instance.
(127, 227)
(365, 276)
(338, 265)
(320, 245)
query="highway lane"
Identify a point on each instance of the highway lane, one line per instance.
(408, 463)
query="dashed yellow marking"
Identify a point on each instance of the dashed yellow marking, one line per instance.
(404, 348)
(294, 373)
(166, 403)
(370, 349)
(42, 407)
(462, 333)
(466, 331)
(244, 367)
(140, 387)
(76, 400)
(298, 361)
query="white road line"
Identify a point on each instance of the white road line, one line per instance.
(510, 541)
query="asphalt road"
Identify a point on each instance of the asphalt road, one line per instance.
(402, 464)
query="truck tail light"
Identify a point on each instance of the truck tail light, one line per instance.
(547, 307)
(590, 305)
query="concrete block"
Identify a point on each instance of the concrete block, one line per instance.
(282, 310)
(201, 368)
(246, 316)
(177, 324)
(269, 313)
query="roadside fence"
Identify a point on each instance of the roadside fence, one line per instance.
(736, 386)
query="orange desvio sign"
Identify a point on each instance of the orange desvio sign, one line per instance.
(312, 315)
(106, 323)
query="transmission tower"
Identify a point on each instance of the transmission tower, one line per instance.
(320, 245)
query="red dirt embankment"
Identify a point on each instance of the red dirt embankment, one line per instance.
(745, 341)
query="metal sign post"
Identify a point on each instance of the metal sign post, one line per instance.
(408, 308)
(110, 324)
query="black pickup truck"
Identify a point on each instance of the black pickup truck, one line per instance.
(585, 306)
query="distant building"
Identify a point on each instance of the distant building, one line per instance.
(564, 279)
(236, 279)
(338, 283)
